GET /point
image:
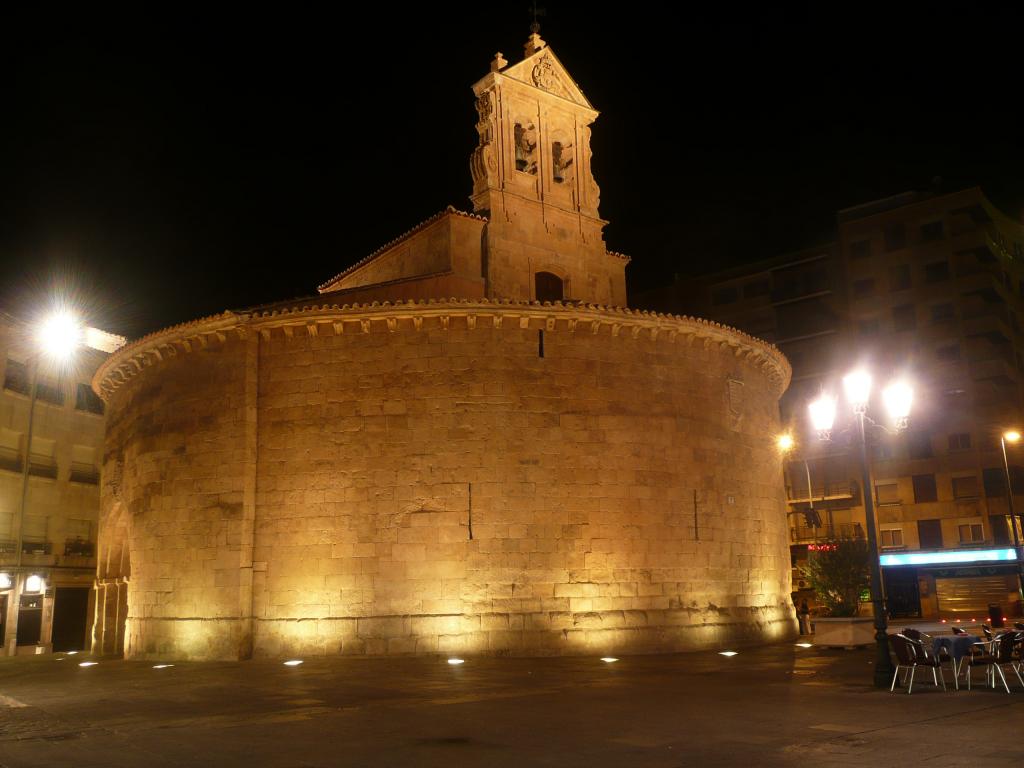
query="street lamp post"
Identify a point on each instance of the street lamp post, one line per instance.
(1012, 436)
(897, 397)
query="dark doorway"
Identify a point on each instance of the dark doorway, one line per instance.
(903, 596)
(3, 621)
(30, 619)
(70, 617)
(548, 287)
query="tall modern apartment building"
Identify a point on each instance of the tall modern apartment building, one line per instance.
(930, 287)
(51, 438)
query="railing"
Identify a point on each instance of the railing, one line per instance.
(8, 546)
(36, 548)
(79, 548)
(799, 534)
(843, 489)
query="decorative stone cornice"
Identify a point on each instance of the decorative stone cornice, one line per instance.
(308, 316)
(449, 211)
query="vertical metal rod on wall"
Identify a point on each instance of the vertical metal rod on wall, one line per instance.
(696, 529)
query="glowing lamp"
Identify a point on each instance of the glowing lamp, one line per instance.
(88, 664)
(823, 413)
(898, 398)
(5, 581)
(857, 386)
(456, 662)
(293, 662)
(59, 335)
(1012, 436)
(727, 653)
(34, 583)
(609, 659)
(162, 666)
(785, 442)
(804, 645)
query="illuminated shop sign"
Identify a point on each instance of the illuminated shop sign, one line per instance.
(942, 558)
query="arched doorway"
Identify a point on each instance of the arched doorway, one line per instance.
(548, 287)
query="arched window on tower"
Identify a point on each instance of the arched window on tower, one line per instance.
(548, 287)
(526, 146)
(561, 159)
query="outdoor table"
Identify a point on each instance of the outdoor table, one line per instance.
(958, 646)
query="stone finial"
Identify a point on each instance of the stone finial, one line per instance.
(534, 42)
(499, 62)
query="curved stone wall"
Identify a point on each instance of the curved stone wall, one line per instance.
(454, 476)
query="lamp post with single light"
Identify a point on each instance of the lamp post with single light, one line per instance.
(897, 397)
(57, 338)
(785, 444)
(1012, 436)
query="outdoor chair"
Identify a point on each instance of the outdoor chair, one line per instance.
(995, 659)
(909, 656)
(987, 630)
(959, 631)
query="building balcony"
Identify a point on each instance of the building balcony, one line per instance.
(828, 492)
(803, 534)
(78, 547)
(36, 548)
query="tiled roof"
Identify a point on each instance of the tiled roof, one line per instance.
(449, 211)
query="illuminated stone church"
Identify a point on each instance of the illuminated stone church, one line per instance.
(464, 443)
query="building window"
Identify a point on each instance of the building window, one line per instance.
(87, 400)
(899, 277)
(942, 313)
(903, 318)
(49, 392)
(755, 289)
(864, 287)
(869, 327)
(965, 487)
(561, 159)
(936, 272)
(548, 286)
(526, 148)
(960, 441)
(887, 493)
(931, 231)
(726, 295)
(994, 481)
(929, 533)
(971, 533)
(10, 450)
(891, 537)
(919, 445)
(949, 353)
(924, 489)
(860, 249)
(16, 377)
(895, 236)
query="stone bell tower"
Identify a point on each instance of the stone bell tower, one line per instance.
(532, 179)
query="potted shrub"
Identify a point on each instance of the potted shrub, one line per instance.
(839, 572)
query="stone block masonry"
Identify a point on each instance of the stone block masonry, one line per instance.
(418, 478)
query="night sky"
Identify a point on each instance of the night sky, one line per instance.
(166, 167)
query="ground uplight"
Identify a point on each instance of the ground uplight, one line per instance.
(805, 645)
(727, 653)
(293, 662)
(456, 662)
(162, 666)
(88, 663)
(609, 659)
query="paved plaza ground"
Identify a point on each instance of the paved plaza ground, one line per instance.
(772, 706)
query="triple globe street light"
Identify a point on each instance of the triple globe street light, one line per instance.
(898, 398)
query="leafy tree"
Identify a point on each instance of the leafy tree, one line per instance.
(838, 573)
